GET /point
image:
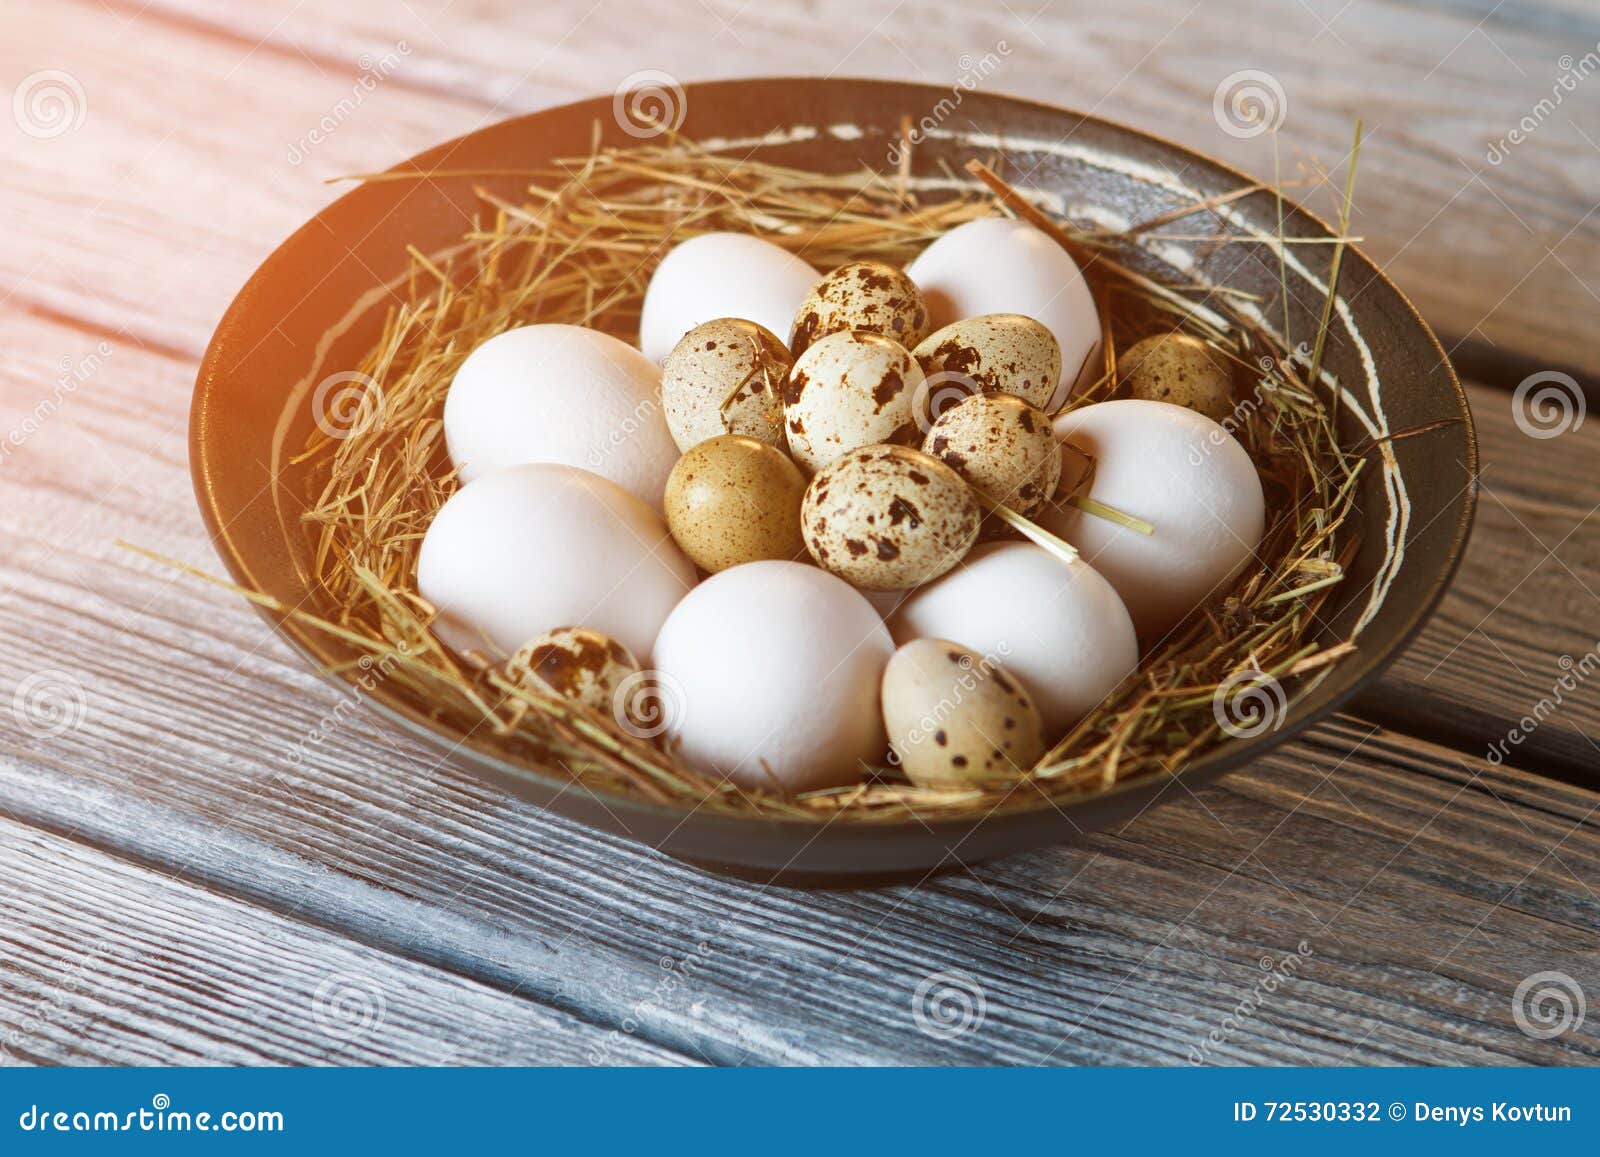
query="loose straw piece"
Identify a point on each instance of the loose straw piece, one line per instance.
(578, 247)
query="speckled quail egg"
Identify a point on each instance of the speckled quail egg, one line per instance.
(847, 390)
(1181, 369)
(1002, 446)
(720, 275)
(725, 377)
(577, 664)
(999, 353)
(999, 265)
(1057, 625)
(863, 295)
(956, 719)
(732, 500)
(887, 518)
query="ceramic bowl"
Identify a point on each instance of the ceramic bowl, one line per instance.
(315, 307)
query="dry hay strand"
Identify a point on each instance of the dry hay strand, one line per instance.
(579, 249)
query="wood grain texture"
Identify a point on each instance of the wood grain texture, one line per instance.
(1510, 663)
(159, 722)
(147, 218)
(107, 963)
(1499, 253)
(1411, 893)
(108, 463)
(188, 750)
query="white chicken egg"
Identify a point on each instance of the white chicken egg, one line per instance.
(561, 394)
(1058, 626)
(997, 265)
(1184, 475)
(529, 549)
(721, 275)
(771, 670)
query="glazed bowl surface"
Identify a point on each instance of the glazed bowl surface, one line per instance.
(317, 304)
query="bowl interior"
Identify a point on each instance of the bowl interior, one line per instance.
(317, 305)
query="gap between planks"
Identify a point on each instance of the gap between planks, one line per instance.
(477, 68)
(108, 962)
(238, 194)
(1172, 852)
(41, 795)
(364, 896)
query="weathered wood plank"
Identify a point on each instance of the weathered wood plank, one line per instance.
(1505, 255)
(1570, 19)
(1399, 911)
(108, 963)
(110, 453)
(148, 216)
(1509, 666)
(1500, 252)
(185, 710)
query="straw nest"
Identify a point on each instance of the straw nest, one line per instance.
(579, 248)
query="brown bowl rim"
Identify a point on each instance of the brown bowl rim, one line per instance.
(1367, 664)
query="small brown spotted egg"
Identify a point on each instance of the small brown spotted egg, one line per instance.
(1002, 446)
(725, 377)
(955, 719)
(849, 389)
(580, 665)
(888, 518)
(1181, 369)
(732, 500)
(999, 353)
(863, 295)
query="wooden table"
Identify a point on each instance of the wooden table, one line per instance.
(173, 889)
